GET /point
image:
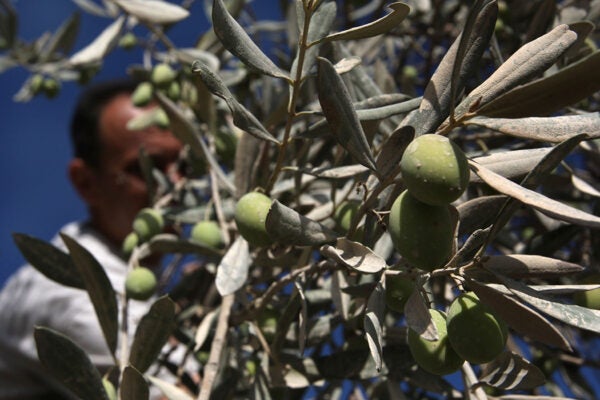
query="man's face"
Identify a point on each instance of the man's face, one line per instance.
(121, 188)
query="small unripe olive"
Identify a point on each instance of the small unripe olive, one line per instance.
(50, 87)
(36, 83)
(161, 119)
(142, 94)
(148, 223)
(129, 243)
(226, 144)
(474, 331)
(436, 356)
(589, 298)
(434, 169)
(162, 75)
(140, 283)
(421, 233)
(250, 216)
(174, 91)
(109, 388)
(267, 321)
(397, 291)
(128, 41)
(207, 233)
(344, 214)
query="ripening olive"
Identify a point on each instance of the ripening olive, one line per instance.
(140, 283)
(436, 356)
(250, 216)
(434, 169)
(475, 332)
(207, 233)
(148, 223)
(421, 233)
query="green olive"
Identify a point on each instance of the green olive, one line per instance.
(129, 243)
(162, 75)
(397, 291)
(589, 298)
(148, 223)
(50, 87)
(434, 169)
(128, 41)
(436, 356)
(475, 332)
(250, 216)
(421, 233)
(207, 233)
(142, 95)
(140, 283)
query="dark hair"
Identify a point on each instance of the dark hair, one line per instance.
(85, 126)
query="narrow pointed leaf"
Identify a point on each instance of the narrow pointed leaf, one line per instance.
(343, 172)
(232, 271)
(99, 289)
(341, 299)
(287, 226)
(54, 263)
(69, 364)
(64, 38)
(340, 114)
(519, 266)
(550, 207)
(549, 94)
(378, 27)
(237, 41)
(242, 118)
(418, 317)
(391, 153)
(302, 318)
(204, 328)
(373, 324)
(171, 391)
(154, 11)
(152, 333)
(96, 50)
(527, 62)
(355, 255)
(511, 371)
(478, 213)
(169, 243)
(133, 385)
(520, 317)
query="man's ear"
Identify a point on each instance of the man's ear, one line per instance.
(83, 178)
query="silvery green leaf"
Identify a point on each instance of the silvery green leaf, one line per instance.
(237, 41)
(171, 391)
(99, 288)
(133, 385)
(343, 172)
(511, 164)
(549, 94)
(529, 265)
(154, 11)
(354, 255)
(479, 212)
(69, 364)
(378, 27)
(340, 114)
(373, 324)
(287, 226)
(152, 333)
(519, 316)
(54, 263)
(91, 8)
(232, 271)
(169, 243)
(340, 299)
(418, 317)
(204, 328)
(546, 205)
(511, 371)
(583, 186)
(391, 153)
(64, 38)
(302, 319)
(96, 50)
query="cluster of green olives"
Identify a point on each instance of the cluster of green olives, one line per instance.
(162, 77)
(470, 331)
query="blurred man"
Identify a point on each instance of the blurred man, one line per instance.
(105, 173)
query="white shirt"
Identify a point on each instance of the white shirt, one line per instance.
(30, 299)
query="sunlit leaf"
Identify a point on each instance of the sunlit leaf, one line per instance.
(154, 11)
(529, 265)
(354, 255)
(69, 364)
(511, 371)
(96, 50)
(418, 317)
(233, 268)
(343, 172)
(152, 333)
(171, 391)
(204, 328)
(511, 164)
(373, 323)
(133, 385)
(99, 289)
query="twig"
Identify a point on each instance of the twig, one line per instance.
(212, 367)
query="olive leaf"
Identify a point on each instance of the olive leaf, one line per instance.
(154, 11)
(69, 364)
(204, 328)
(171, 391)
(391, 152)
(64, 38)
(511, 164)
(133, 385)
(54, 263)
(511, 371)
(478, 213)
(343, 172)
(169, 243)
(99, 288)
(354, 255)
(232, 271)
(418, 317)
(96, 50)
(529, 265)
(287, 226)
(341, 300)
(237, 41)
(152, 333)
(373, 323)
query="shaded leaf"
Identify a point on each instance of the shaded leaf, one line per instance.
(133, 385)
(242, 118)
(536, 200)
(520, 317)
(302, 326)
(99, 289)
(340, 114)
(233, 268)
(171, 391)
(54, 263)
(287, 226)
(549, 94)
(343, 172)
(478, 213)
(528, 266)
(152, 333)
(341, 299)
(378, 27)
(354, 255)
(418, 317)
(96, 50)
(154, 11)
(237, 41)
(165, 243)
(511, 371)
(373, 324)
(64, 38)
(391, 153)
(69, 364)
